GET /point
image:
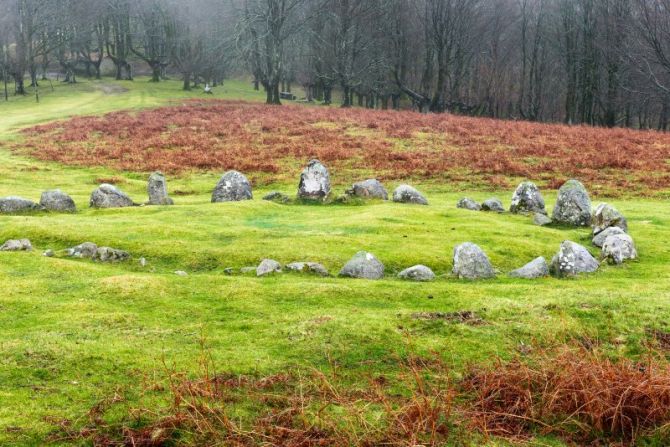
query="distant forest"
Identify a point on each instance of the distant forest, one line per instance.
(596, 62)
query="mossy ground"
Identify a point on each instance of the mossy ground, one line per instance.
(74, 331)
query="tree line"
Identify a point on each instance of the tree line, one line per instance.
(596, 62)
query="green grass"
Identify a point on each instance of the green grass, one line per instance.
(72, 331)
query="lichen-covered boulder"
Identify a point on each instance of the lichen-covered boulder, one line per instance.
(57, 200)
(618, 248)
(369, 189)
(541, 219)
(527, 199)
(108, 254)
(17, 245)
(470, 262)
(417, 273)
(493, 204)
(308, 267)
(83, 250)
(232, 187)
(571, 260)
(268, 267)
(605, 216)
(537, 268)
(573, 205)
(157, 190)
(599, 239)
(363, 265)
(109, 196)
(14, 204)
(314, 182)
(408, 194)
(468, 204)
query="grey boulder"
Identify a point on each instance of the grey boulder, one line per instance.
(417, 273)
(541, 219)
(468, 204)
(108, 254)
(83, 250)
(470, 262)
(527, 199)
(232, 187)
(314, 182)
(109, 196)
(493, 204)
(157, 190)
(571, 260)
(599, 239)
(308, 267)
(537, 268)
(573, 205)
(268, 267)
(57, 200)
(363, 265)
(605, 216)
(408, 194)
(618, 248)
(17, 245)
(14, 204)
(369, 189)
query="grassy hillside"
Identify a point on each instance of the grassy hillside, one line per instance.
(74, 332)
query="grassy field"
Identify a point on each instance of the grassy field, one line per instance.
(73, 332)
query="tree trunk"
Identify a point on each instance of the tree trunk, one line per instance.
(187, 81)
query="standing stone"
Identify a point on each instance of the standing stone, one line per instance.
(606, 216)
(573, 205)
(314, 182)
(571, 260)
(83, 250)
(417, 273)
(107, 254)
(493, 204)
(157, 190)
(232, 187)
(363, 265)
(537, 268)
(527, 199)
(541, 219)
(308, 267)
(17, 245)
(57, 200)
(369, 189)
(109, 196)
(599, 239)
(407, 194)
(617, 248)
(470, 262)
(14, 204)
(268, 267)
(468, 204)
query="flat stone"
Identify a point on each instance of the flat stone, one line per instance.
(276, 196)
(369, 189)
(537, 268)
(618, 248)
(17, 245)
(268, 267)
(541, 219)
(157, 190)
(108, 254)
(527, 199)
(599, 239)
(308, 267)
(180, 273)
(408, 194)
(109, 196)
(470, 262)
(573, 205)
(15, 204)
(232, 187)
(468, 204)
(572, 259)
(363, 265)
(314, 182)
(493, 204)
(417, 273)
(57, 200)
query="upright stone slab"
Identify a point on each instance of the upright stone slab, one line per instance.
(470, 262)
(232, 187)
(57, 200)
(618, 248)
(369, 189)
(573, 205)
(314, 182)
(14, 204)
(572, 259)
(606, 216)
(268, 267)
(527, 199)
(537, 268)
(109, 196)
(157, 190)
(363, 265)
(408, 194)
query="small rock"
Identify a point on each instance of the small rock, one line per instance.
(108, 254)
(276, 196)
(109, 196)
(371, 188)
(470, 262)
(606, 216)
(268, 267)
(314, 182)
(363, 265)
(49, 253)
(180, 273)
(232, 187)
(84, 250)
(572, 259)
(157, 190)
(143, 262)
(417, 273)
(537, 268)
(228, 271)
(308, 267)
(468, 204)
(599, 239)
(407, 194)
(527, 199)
(573, 205)
(618, 248)
(493, 204)
(57, 200)
(14, 204)
(541, 219)
(17, 245)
